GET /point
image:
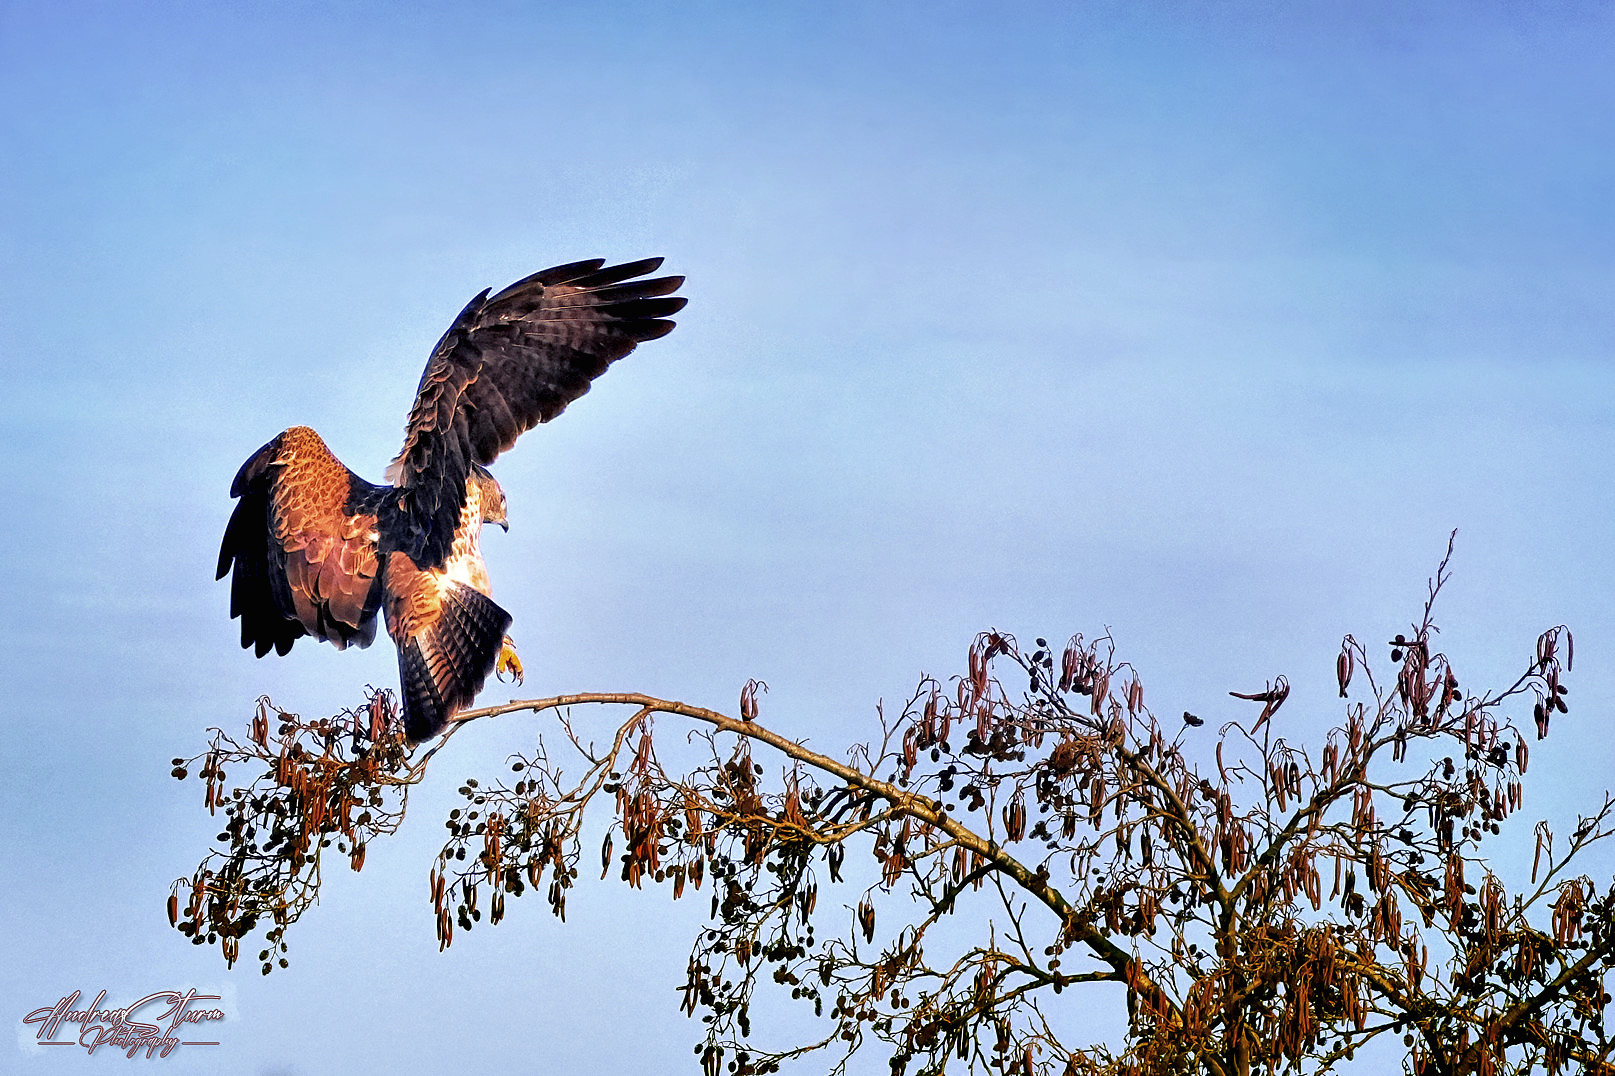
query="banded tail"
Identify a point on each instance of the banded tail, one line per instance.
(441, 669)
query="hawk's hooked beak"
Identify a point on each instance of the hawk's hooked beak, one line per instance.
(504, 525)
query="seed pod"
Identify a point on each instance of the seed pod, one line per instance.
(1345, 665)
(1015, 818)
(748, 699)
(866, 920)
(378, 715)
(978, 670)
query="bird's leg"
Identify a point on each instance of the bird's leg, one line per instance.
(508, 661)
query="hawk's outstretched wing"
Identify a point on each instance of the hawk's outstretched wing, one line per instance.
(303, 543)
(507, 363)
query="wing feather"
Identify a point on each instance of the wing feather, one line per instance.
(304, 563)
(508, 362)
(554, 275)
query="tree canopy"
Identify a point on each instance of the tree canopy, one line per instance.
(1020, 833)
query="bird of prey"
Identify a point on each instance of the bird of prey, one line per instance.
(318, 551)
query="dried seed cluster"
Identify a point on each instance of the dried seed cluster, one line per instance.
(315, 783)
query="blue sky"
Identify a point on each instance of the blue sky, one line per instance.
(1203, 323)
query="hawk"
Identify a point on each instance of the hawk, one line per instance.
(318, 551)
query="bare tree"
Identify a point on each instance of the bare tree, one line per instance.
(1035, 828)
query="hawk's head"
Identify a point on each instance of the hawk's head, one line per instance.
(491, 495)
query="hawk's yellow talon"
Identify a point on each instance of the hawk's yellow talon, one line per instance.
(508, 661)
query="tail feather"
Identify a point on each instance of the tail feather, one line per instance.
(441, 669)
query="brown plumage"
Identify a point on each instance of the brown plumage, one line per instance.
(317, 550)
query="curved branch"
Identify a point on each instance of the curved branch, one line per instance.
(922, 808)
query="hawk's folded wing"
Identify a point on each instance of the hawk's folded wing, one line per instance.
(303, 543)
(507, 363)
